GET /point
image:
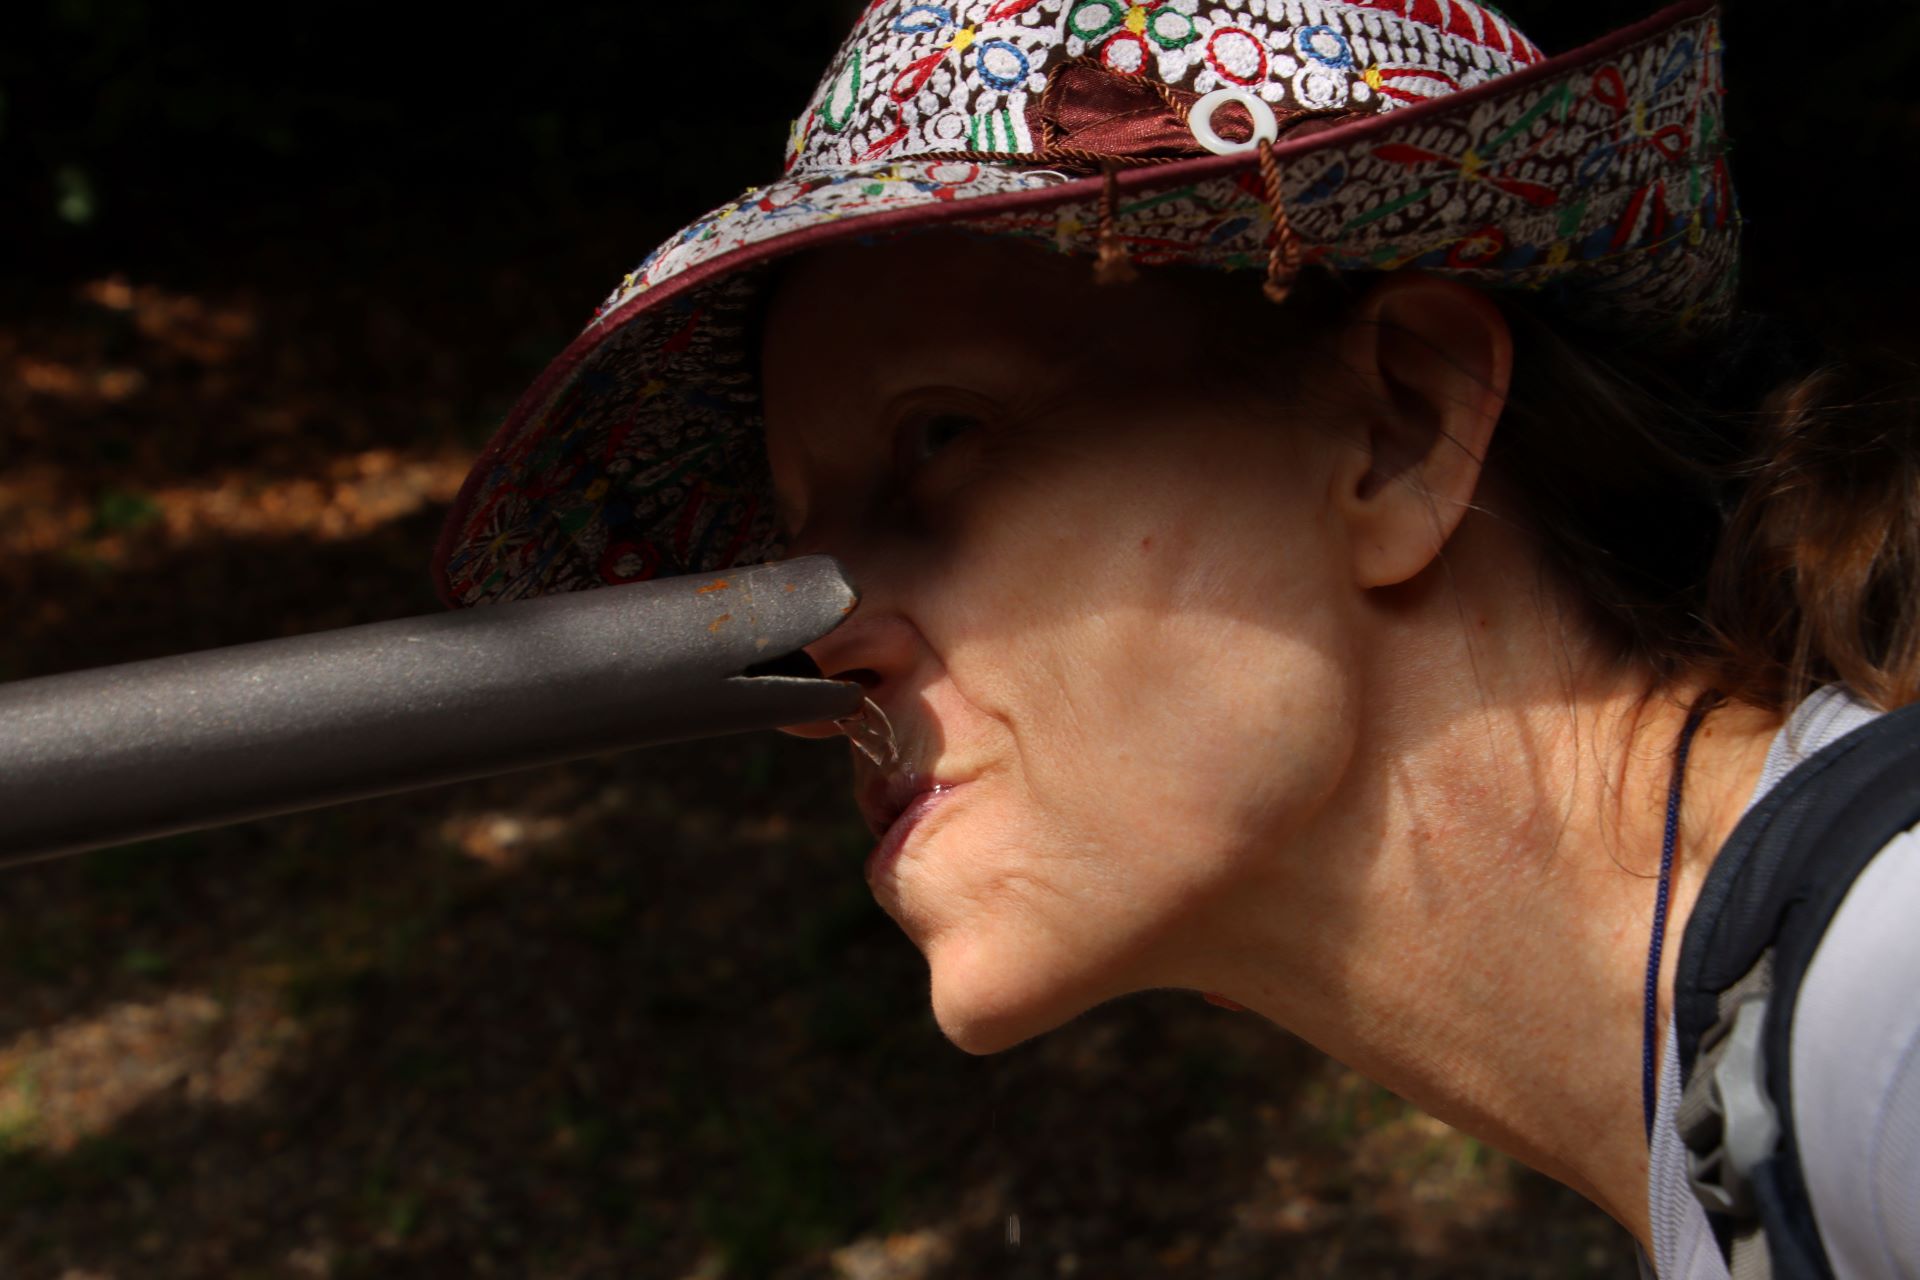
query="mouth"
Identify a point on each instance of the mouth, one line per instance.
(886, 796)
(901, 829)
(893, 794)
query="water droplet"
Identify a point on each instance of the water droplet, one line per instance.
(872, 734)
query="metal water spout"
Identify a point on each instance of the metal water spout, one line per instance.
(145, 749)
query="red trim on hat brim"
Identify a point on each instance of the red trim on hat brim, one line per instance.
(963, 210)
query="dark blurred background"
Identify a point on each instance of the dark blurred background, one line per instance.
(270, 278)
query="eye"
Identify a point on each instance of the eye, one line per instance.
(925, 434)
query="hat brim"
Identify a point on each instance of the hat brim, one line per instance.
(1599, 174)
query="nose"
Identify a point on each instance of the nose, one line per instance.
(874, 650)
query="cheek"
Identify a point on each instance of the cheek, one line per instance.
(1167, 677)
(1082, 863)
(1191, 743)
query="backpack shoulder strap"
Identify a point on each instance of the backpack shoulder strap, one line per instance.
(1767, 900)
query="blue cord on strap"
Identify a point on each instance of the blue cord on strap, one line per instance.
(1705, 703)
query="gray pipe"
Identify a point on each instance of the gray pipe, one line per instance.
(145, 749)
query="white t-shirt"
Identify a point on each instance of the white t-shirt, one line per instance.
(1856, 1061)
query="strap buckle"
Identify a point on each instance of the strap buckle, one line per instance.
(1727, 1120)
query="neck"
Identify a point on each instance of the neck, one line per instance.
(1481, 947)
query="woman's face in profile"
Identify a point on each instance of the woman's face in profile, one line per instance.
(1101, 601)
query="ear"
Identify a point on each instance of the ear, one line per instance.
(1433, 358)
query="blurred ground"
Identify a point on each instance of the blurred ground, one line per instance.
(635, 1016)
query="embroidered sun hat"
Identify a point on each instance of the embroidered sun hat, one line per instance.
(1257, 135)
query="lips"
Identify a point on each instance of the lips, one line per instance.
(888, 849)
(886, 796)
(894, 804)
(893, 800)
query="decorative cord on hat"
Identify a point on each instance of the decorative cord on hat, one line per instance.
(1112, 266)
(1283, 260)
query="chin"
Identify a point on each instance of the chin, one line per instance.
(985, 1002)
(983, 1037)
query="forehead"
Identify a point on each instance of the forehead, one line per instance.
(983, 309)
(852, 334)
(925, 291)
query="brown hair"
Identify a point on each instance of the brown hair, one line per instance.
(1731, 508)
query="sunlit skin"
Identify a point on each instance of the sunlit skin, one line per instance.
(1253, 694)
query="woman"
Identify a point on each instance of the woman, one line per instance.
(1342, 659)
